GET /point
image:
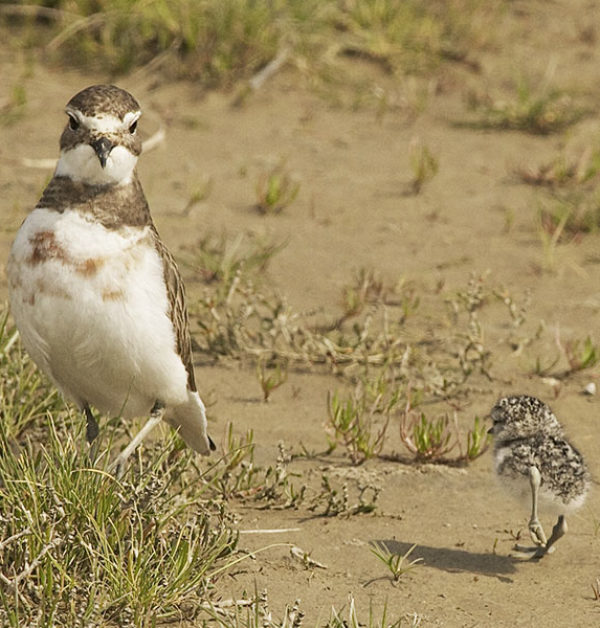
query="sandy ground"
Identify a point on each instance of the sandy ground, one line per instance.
(353, 212)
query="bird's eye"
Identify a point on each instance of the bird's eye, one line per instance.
(133, 127)
(73, 123)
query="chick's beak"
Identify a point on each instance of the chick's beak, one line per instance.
(102, 147)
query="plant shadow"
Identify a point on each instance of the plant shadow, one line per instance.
(454, 560)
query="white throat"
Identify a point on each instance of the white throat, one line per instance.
(82, 164)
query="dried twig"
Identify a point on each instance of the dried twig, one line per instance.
(304, 558)
(270, 531)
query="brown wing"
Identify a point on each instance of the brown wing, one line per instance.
(178, 310)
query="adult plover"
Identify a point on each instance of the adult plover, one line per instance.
(95, 293)
(533, 457)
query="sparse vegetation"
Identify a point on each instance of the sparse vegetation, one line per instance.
(275, 190)
(352, 423)
(427, 439)
(478, 440)
(431, 440)
(398, 564)
(351, 619)
(562, 171)
(222, 41)
(539, 111)
(571, 207)
(424, 165)
(334, 500)
(256, 612)
(581, 355)
(271, 377)
(221, 261)
(566, 216)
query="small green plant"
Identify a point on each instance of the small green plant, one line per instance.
(271, 377)
(398, 564)
(581, 355)
(431, 440)
(542, 368)
(223, 263)
(352, 422)
(427, 439)
(478, 440)
(275, 190)
(424, 166)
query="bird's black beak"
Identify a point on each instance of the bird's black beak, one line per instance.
(102, 146)
(491, 430)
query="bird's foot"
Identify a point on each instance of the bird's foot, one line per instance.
(528, 552)
(540, 550)
(536, 532)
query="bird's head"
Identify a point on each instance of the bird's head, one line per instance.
(100, 144)
(522, 416)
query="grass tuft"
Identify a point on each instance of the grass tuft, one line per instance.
(397, 564)
(220, 42)
(84, 547)
(539, 111)
(275, 190)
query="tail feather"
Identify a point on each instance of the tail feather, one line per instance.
(190, 420)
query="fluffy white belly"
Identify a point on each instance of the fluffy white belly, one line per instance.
(519, 487)
(92, 310)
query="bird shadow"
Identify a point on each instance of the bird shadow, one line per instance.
(453, 560)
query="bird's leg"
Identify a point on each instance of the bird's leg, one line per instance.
(535, 527)
(156, 415)
(91, 433)
(558, 531)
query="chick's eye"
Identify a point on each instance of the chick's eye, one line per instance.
(133, 127)
(73, 123)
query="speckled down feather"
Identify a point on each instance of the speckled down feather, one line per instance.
(527, 433)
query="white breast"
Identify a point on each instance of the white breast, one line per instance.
(92, 310)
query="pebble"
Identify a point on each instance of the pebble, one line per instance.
(590, 389)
